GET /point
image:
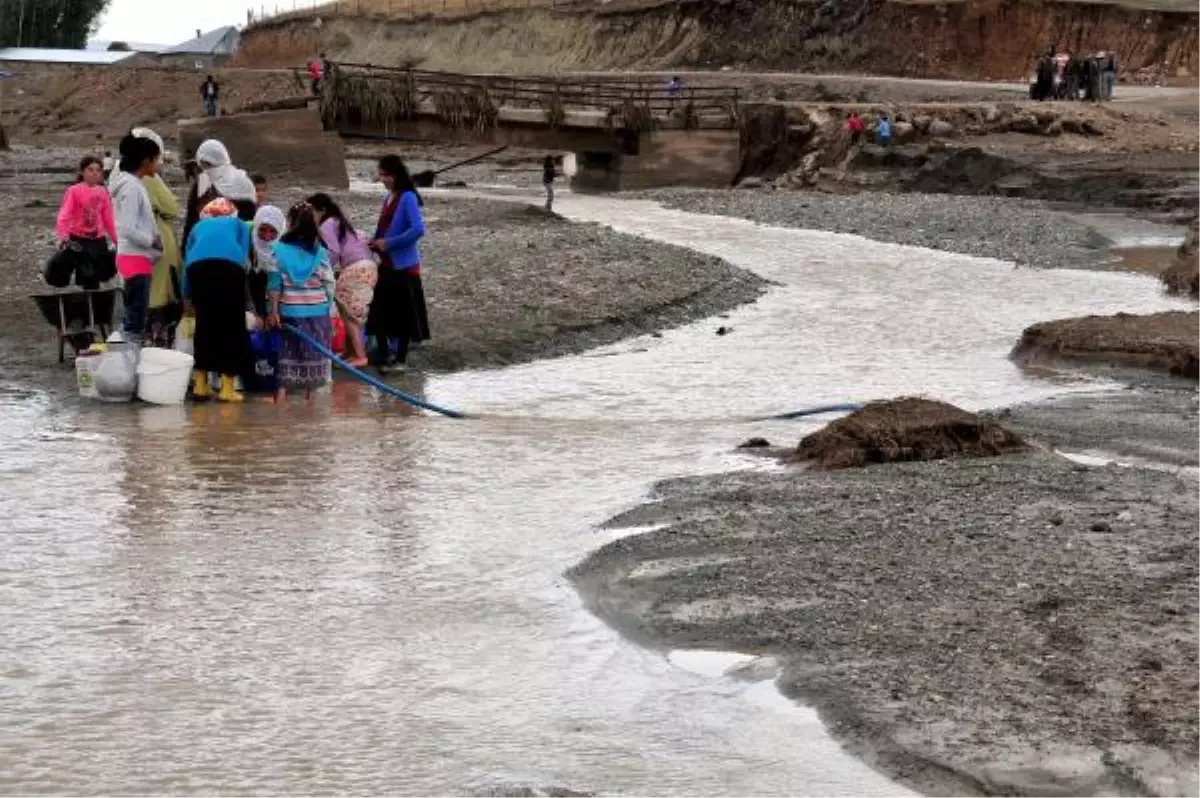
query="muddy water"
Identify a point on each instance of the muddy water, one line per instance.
(349, 597)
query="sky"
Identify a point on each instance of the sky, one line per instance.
(158, 22)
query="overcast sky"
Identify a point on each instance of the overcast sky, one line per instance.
(158, 22)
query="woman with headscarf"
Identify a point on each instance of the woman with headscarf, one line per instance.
(164, 308)
(269, 225)
(397, 316)
(218, 178)
(214, 290)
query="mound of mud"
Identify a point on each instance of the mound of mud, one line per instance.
(905, 429)
(1162, 342)
(1184, 276)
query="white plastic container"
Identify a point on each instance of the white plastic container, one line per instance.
(86, 364)
(115, 376)
(164, 376)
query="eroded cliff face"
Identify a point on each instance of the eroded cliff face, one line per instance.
(958, 39)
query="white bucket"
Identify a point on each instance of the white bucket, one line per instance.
(164, 376)
(86, 364)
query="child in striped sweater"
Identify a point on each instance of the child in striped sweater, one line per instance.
(301, 291)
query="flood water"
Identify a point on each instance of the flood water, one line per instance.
(351, 597)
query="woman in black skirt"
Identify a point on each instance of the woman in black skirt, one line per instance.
(397, 316)
(214, 290)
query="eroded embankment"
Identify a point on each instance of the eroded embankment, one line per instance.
(985, 39)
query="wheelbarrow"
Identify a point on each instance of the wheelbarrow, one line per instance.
(426, 178)
(77, 313)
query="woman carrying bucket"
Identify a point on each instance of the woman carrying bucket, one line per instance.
(301, 294)
(214, 290)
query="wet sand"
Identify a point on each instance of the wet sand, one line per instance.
(1014, 625)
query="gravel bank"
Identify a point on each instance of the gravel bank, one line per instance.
(1027, 233)
(1013, 625)
(505, 283)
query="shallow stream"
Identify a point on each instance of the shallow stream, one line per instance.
(353, 598)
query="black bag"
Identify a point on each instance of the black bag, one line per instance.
(61, 267)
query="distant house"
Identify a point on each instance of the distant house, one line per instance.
(208, 49)
(46, 55)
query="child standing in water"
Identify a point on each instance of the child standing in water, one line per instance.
(269, 224)
(85, 218)
(138, 241)
(301, 292)
(354, 267)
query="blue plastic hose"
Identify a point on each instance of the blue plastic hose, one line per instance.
(445, 411)
(369, 380)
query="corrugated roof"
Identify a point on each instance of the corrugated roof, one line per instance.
(204, 44)
(54, 56)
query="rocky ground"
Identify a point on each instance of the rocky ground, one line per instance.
(504, 282)
(1164, 342)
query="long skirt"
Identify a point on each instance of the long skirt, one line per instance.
(300, 365)
(222, 343)
(356, 289)
(398, 308)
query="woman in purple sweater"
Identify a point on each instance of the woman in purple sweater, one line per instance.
(355, 268)
(397, 316)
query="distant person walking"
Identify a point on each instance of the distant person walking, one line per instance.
(855, 127)
(315, 70)
(883, 131)
(1108, 75)
(549, 172)
(210, 93)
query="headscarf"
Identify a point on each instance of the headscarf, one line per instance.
(219, 172)
(270, 216)
(147, 133)
(218, 207)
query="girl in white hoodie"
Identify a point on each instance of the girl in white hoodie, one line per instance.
(138, 241)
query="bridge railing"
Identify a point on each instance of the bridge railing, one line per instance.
(383, 95)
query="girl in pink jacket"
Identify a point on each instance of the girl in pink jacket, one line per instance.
(86, 227)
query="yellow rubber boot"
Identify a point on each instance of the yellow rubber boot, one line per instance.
(228, 392)
(200, 387)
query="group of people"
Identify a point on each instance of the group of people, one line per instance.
(1071, 76)
(243, 264)
(856, 127)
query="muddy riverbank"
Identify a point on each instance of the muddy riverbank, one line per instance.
(505, 283)
(1013, 625)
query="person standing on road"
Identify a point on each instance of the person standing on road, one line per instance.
(1108, 75)
(549, 172)
(210, 92)
(855, 127)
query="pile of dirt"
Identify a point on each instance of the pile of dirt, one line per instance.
(905, 429)
(1183, 277)
(1162, 342)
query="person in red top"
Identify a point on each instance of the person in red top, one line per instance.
(86, 224)
(314, 74)
(855, 127)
